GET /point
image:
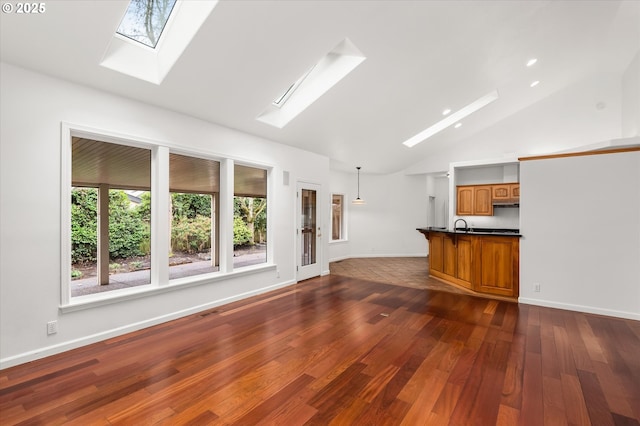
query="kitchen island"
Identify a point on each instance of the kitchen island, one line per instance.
(482, 260)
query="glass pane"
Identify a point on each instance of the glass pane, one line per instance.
(308, 227)
(249, 216)
(336, 217)
(145, 20)
(194, 186)
(129, 240)
(110, 217)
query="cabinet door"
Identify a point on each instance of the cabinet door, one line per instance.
(464, 261)
(515, 191)
(464, 204)
(450, 256)
(501, 192)
(498, 266)
(482, 204)
(436, 252)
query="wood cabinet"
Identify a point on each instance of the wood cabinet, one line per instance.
(474, 200)
(515, 191)
(450, 256)
(436, 252)
(464, 204)
(477, 200)
(497, 265)
(507, 192)
(485, 264)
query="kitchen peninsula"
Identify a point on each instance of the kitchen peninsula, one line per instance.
(482, 260)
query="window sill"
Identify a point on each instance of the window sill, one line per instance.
(101, 299)
(338, 241)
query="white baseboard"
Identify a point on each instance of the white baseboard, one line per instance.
(368, 255)
(580, 308)
(94, 338)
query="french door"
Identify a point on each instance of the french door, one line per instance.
(308, 231)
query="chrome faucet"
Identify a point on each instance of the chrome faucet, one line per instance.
(456, 222)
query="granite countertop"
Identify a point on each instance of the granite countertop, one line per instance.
(498, 232)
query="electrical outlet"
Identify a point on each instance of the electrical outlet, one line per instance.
(536, 287)
(52, 327)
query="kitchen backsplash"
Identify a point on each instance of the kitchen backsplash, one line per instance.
(503, 217)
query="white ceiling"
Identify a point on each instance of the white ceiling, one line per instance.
(422, 57)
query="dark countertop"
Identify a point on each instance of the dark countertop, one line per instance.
(498, 232)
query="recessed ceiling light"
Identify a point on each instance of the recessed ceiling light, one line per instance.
(457, 125)
(452, 119)
(535, 83)
(531, 61)
(446, 111)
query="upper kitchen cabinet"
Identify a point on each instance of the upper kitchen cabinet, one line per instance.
(474, 200)
(508, 192)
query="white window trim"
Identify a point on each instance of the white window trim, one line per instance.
(160, 282)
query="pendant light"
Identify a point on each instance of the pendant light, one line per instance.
(358, 200)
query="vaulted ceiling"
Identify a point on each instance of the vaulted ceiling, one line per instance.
(421, 57)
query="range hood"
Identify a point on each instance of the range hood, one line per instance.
(506, 203)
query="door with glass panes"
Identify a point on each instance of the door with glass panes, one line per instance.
(309, 235)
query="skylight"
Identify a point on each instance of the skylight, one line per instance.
(280, 100)
(145, 20)
(315, 82)
(169, 25)
(453, 118)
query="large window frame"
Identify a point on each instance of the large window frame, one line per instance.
(160, 219)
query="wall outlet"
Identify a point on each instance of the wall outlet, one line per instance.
(52, 327)
(536, 287)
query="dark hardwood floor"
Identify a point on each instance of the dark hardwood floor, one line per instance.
(340, 350)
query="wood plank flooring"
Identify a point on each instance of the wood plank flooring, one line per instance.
(344, 351)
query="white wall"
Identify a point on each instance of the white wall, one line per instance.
(631, 99)
(32, 107)
(580, 220)
(396, 205)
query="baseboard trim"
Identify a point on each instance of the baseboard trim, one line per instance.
(369, 255)
(580, 308)
(98, 337)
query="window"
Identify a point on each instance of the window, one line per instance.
(249, 216)
(337, 217)
(194, 185)
(110, 216)
(121, 242)
(145, 20)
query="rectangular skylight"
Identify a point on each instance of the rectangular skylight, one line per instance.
(453, 118)
(137, 58)
(322, 76)
(145, 20)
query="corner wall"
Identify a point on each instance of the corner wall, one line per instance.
(32, 108)
(580, 221)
